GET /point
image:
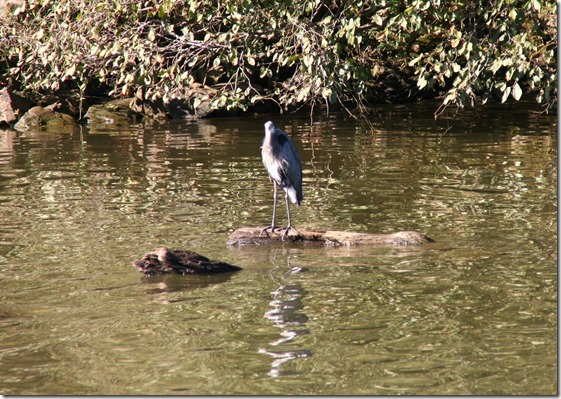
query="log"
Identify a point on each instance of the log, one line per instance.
(180, 261)
(256, 236)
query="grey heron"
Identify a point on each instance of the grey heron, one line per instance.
(282, 162)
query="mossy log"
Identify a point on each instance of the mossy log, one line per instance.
(256, 236)
(179, 261)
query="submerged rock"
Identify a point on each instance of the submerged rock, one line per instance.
(164, 260)
(114, 112)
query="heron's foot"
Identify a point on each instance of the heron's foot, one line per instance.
(272, 228)
(287, 229)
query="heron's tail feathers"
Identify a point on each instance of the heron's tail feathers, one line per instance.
(294, 195)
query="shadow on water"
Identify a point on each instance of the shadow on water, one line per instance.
(164, 284)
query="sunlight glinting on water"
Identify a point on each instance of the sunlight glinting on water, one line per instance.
(473, 313)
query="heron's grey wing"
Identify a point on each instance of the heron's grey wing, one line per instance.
(291, 165)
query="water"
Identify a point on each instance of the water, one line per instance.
(475, 313)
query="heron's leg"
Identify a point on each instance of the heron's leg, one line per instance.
(287, 211)
(288, 216)
(273, 223)
(289, 227)
(272, 226)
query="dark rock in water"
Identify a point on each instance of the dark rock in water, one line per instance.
(183, 102)
(163, 260)
(151, 109)
(114, 112)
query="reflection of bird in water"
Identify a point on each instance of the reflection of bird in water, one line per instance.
(285, 314)
(285, 306)
(283, 357)
(282, 162)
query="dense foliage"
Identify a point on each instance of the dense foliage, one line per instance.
(294, 53)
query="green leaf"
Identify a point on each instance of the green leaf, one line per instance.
(421, 83)
(516, 91)
(415, 60)
(451, 96)
(506, 93)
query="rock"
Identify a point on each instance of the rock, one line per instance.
(68, 100)
(183, 100)
(180, 104)
(114, 112)
(254, 235)
(193, 102)
(148, 108)
(44, 118)
(181, 108)
(164, 260)
(12, 106)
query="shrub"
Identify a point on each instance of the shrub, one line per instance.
(292, 53)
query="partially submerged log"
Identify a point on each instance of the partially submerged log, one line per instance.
(179, 261)
(255, 236)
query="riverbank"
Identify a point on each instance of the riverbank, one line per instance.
(63, 112)
(185, 59)
(68, 109)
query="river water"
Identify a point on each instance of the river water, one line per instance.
(473, 313)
